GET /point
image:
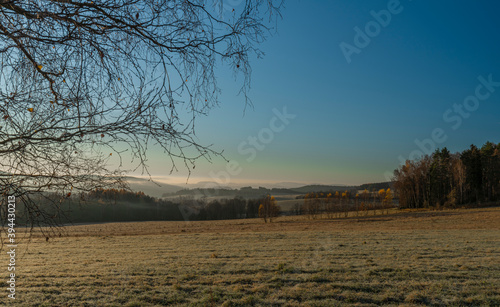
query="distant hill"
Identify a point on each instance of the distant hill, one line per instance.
(245, 192)
(249, 192)
(151, 188)
(286, 185)
(211, 189)
(376, 186)
(322, 188)
(210, 185)
(235, 186)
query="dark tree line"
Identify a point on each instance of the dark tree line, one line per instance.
(444, 179)
(219, 209)
(223, 209)
(120, 205)
(102, 205)
(119, 195)
(330, 205)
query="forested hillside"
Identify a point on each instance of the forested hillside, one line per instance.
(444, 179)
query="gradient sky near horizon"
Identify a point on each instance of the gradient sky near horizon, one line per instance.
(355, 121)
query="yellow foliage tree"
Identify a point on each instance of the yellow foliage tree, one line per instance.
(381, 195)
(269, 209)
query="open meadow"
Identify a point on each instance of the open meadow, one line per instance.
(434, 258)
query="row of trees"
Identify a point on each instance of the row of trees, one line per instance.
(340, 204)
(237, 208)
(190, 208)
(447, 180)
(118, 195)
(119, 205)
(101, 205)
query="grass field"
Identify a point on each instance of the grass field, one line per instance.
(404, 259)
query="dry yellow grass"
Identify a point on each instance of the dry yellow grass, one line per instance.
(407, 258)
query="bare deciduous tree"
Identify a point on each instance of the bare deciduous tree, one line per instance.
(84, 82)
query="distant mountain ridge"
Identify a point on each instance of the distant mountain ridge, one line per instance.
(322, 188)
(250, 192)
(207, 188)
(149, 187)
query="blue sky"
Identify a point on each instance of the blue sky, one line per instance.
(355, 121)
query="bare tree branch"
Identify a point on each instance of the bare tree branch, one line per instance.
(81, 81)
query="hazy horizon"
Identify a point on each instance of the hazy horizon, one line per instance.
(325, 115)
(208, 182)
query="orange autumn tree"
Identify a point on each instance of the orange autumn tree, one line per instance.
(269, 209)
